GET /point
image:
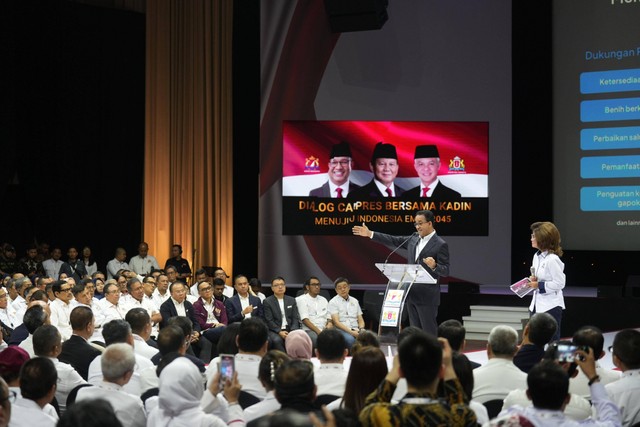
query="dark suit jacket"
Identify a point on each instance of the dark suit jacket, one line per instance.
(77, 352)
(78, 271)
(18, 335)
(441, 192)
(202, 315)
(325, 190)
(422, 293)
(370, 191)
(273, 315)
(234, 309)
(168, 310)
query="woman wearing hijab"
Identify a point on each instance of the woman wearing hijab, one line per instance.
(179, 399)
(299, 345)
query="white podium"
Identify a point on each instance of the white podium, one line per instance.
(401, 278)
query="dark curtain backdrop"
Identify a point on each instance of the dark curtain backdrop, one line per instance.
(72, 125)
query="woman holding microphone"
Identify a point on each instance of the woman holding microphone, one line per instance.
(547, 272)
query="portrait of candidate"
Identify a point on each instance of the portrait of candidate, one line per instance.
(426, 161)
(340, 163)
(384, 165)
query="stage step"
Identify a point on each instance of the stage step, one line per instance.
(485, 317)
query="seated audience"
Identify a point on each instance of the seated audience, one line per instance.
(256, 288)
(455, 333)
(423, 361)
(242, 305)
(548, 389)
(47, 342)
(76, 351)
(118, 364)
(625, 392)
(93, 412)
(171, 340)
(536, 335)
(331, 350)
(144, 375)
(38, 378)
(313, 309)
(266, 374)
(61, 307)
(592, 337)
(211, 315)
(365, 339)
(140, 321)
(368, 368)
(345, 311)
(495, 379)
(35, 316)
(281, 314)
(111, 306)
(464, 372)
(299, 345)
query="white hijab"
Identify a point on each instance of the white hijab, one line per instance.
(179, 397)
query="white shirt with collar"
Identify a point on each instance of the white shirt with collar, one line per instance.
(496, 378)
(580, 383)
(228, 291)
(347, 310)
(268, 405)
(180, 309)
(48, 408)
(246, 365)
(8, 316)
(110, 311)
(422, 243)
(345, 189)
(27, 345)
(578, 408)
(27, 413)
(127, 407)
(20, 306)
(141, 347)
(144, 375)
(330, 378)
(244, 303)
(383, 188)
(626, 394)
(143, 265)
(114, 266)
(60, 314)
(52, 268)
(431, 187)
(315, 309)
(68, 379)
(158, 299)
(548, 269)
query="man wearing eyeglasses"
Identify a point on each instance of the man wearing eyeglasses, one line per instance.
(430, 251)
(340, 163)
(61, 308)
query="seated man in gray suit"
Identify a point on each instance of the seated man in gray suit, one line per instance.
(340, 164)
(427, 249)
(281, 314)
(426, 162)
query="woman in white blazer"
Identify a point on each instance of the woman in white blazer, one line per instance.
(547, 272)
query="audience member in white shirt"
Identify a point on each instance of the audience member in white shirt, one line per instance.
(35, 316)
(7, 313)
(313, 309)
(256, 288)
(143, 263)
(345, 312)
(61, 307)
(117, 263)
(52, 265)
(38, 378)
(626, 391)
(144, 374)
(140, 322)
(47, 343)
(117, 362)
(201, 276)
(161, 294)
(110, 305)
(266, 374)
(331, 350)
(219, 273)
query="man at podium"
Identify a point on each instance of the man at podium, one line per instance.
(427, 249)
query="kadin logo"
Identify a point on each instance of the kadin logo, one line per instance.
(311, 164)
(456, 165)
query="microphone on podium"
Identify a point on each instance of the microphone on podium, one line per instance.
(400, 245)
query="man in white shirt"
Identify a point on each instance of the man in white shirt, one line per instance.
(7, 313)
(161, 294)
(219, 273)
(591, 337)
(52, 265)
(253, 342)
(137, 300)
(35, 316)
(38, 378)
(118, 364)
(140, 322)
(626, 391)
(117, 263)
(330, 376)
(19, 304)
(499, 376)
(313, 309)
(110, 305)
(144, 374)
(201, 276)
(143, 263)
(47, 343)
(61, 308)
(345, 311)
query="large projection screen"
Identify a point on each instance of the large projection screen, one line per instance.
(432, 62)
(596, 132)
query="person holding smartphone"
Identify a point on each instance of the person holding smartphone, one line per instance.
(547, 273)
